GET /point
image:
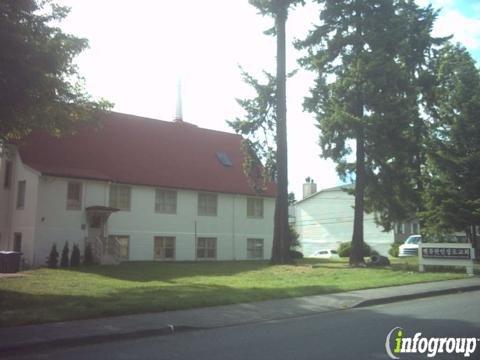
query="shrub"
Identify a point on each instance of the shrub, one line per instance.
(64, 261)
(345, 249)
(294, 254)
(75, 257)
(393, 251)
(88, 256)
(52, 259)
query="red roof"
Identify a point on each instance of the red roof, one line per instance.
(141, 151)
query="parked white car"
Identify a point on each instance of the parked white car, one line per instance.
(325, 254)
(410, 246)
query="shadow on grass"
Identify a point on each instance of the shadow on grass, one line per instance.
(18, 308)
(146, 271)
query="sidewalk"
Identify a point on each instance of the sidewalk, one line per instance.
(31, 337)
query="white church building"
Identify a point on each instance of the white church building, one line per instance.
(135, 189)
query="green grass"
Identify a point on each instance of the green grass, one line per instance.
(46, 295)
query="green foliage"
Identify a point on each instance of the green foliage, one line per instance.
(393, 251)
(40, 87)
(345, 249)
(75, 257)
(294, 243)
(64, 260)
(452, 194)
(88, 258)
(295, 254)
(52, 259)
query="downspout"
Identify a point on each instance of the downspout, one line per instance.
(233, 228)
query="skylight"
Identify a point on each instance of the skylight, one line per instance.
(224, 159)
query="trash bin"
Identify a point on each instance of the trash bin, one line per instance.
(10, 261)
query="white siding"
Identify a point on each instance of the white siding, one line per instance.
(231, 226)
(13, 220)
(326, 219)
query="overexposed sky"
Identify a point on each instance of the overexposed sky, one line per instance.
(139, 48)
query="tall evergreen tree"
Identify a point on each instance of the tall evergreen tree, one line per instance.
(260, 117)
(359, 98)
(452, 194)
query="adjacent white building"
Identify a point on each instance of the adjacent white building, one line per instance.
(324, 219)
(135, 189)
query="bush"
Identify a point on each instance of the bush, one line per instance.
(345, 249)
(75, 257)
(88, 256)
(294, 254)
(393, 251)
(52, 259)
(64, 261)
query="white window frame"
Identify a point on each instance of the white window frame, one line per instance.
(255, 249)
(204, 245)
(74, 204)
(255, 208)
(165, 201)
(115, 196)
(21, 193)
(207, 204)
(160, 247)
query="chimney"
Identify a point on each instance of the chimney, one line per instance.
(178, 112)
(309, 188)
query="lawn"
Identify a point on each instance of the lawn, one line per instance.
(45, 295)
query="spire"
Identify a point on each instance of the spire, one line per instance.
(178, 113)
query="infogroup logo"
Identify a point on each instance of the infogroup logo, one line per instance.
(397, 343)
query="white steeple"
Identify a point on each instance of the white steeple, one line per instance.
(178, 112)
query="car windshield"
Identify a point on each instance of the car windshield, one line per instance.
(413, 240)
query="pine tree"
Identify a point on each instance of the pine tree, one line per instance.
(75, 257)
(359, 101)
(452, 194)
(64, 260)
(88, 258)
(52, 260)
(272, 97)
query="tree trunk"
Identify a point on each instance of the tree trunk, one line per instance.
(356, 254)
(281, 233)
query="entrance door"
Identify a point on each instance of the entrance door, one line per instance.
(17, 242)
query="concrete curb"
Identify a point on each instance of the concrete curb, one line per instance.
(420, 295)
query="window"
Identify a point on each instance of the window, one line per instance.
(255, 207)
(164, 247)
(399, 228)
(120, 197)
(416, 228)
(8, 175)
(118, 245)
(74, 196)
(165, 201)
(207, 248)
(224, 159)
(254, 248)
(207, 204)
(17, 242)
(21, 194)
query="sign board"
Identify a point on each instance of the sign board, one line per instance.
(446, 254)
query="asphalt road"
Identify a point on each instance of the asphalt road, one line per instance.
(348, 334)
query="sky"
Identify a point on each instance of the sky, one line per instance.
(139, 49)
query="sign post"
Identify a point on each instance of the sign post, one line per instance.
(446, 254)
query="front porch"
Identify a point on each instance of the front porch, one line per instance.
(106, 250)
